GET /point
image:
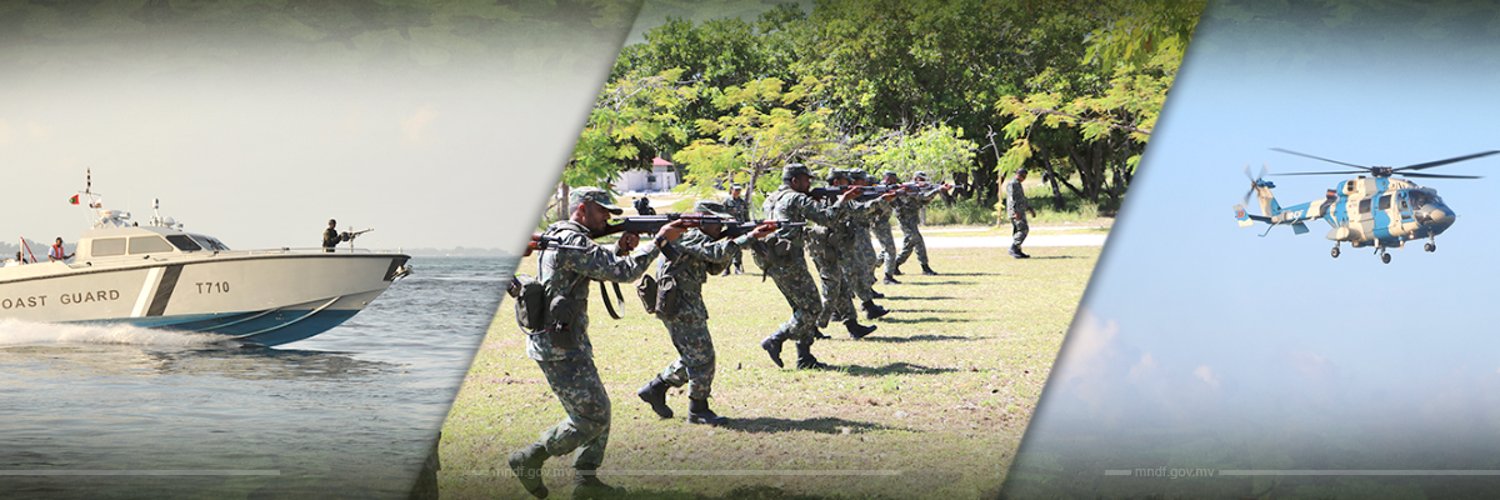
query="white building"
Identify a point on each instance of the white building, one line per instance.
(660, 178)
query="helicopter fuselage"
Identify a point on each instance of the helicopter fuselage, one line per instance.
(1373, 211)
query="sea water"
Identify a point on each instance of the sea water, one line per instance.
(123, 412)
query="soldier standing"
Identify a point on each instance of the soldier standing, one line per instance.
(563, 351)
(831, 249)
(739, 209)
(861, 268)
(909, 214)
(687, 264)
(1017, 206)
(783, 260)
(331, 237)
(881, 225)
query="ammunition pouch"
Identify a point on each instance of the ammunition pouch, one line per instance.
(531, 303)
(666, 296)
(647, 290)
(562, 338)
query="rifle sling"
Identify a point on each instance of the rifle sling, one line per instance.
(604, 293)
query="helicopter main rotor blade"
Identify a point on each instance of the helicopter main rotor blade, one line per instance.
(1439, 163)
(1305, 155)
(1346, 172)
(1441, 176)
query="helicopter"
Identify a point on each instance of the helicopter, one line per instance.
(1372, 209)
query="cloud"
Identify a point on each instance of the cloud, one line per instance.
(1206, 374)
(414, 128)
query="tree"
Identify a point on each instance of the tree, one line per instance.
(762, 127)
(939, 150)
(631, 121)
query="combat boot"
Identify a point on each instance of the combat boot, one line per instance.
(896, 271)
(890, 280)
(858, 331)
(873, 310)
(654, 393)
(586, 484)
(772, 345)
(927, 271)
(876, 294)
(1015, 251)
(698, 413)
(805, 359)
(527, 464)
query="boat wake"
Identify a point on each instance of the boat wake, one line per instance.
(20, 333)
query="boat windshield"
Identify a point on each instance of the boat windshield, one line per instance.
(184, 243)
(214, 244)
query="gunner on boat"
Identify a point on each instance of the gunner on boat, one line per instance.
(331, 236)
(58, 253)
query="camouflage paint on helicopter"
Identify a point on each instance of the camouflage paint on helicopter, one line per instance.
(1374, 210)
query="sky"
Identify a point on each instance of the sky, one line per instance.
(1194, 327)
(439, 126)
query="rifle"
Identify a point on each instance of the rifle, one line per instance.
(350, 235)
(866, 193)
(650, 224)
(544, 242)
(742, 228)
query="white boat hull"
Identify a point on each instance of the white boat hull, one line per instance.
(263, 299)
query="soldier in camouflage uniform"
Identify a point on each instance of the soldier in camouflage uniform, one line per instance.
(739, 209)
(1017, 206)
(783, 260)
(880, 220)
(861, 268)
(563, 351)
(832, 251)
(909, 214)
(687, 264)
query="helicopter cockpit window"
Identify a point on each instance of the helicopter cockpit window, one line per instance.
(1418, 198)
(1364, 206)
(1385, 202)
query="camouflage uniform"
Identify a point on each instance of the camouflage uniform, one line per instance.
(880, 224)
(565, 354)
(738, 208)
(909, 214)
(782, 259)
(689, 262)
(860, 267)
(1016, 205)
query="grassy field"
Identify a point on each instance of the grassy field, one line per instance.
(933, 405)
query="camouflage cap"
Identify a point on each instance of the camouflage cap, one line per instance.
(733, 187)
(920, 175)
(707, 207)
(793, 170)
(836, 174)
(859, 174)
(598, 196)
(890, 173)
(1021, 171)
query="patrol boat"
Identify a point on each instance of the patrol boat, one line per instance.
(158, 276)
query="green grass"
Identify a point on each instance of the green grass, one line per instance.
(940, 394)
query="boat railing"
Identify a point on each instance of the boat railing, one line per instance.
(306, 250)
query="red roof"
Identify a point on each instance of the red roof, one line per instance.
(658, 162)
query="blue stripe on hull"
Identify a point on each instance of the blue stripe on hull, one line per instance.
(283, 326)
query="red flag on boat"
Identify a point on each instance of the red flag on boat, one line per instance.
(73, 200)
